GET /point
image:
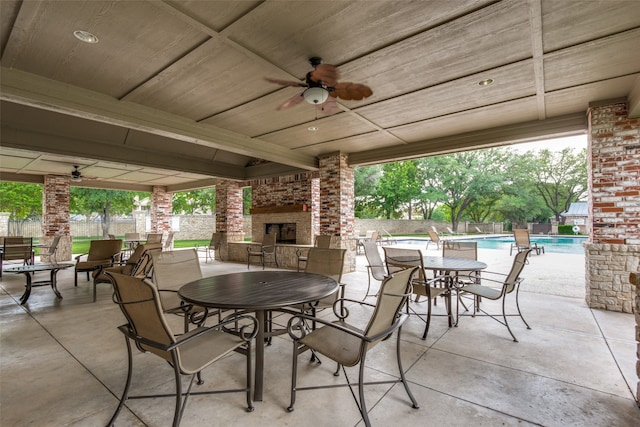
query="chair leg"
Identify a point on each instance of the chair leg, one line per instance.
(177, 414)
(125, 392)
(414, 403)
(518, 307)
(250, 407)
(362, 404)
(506, 322)
(294, 376)
(426, 328)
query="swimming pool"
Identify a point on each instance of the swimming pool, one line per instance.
(554, 244)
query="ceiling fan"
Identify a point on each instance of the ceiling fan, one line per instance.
(76, 175)
(322, 88)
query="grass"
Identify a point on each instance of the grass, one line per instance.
(81, 245)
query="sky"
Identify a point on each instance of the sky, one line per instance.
(559, 144)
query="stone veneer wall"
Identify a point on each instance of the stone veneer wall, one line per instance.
(303, 221)
(634, 279)
(55, 216)
(614, 211)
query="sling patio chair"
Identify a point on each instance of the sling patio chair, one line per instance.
(102, 253)
(464, 250)
(267, 248)
(17, 249)
(168, 244)
(348, 345)
(214, 245)
(522, 242)
(137, 265)
(321, 241)
(49, 253)
(154, 238)
(375, 265)
(189, 353)
(435, 238)
(397, 259)
(171, 270)
(496, 286)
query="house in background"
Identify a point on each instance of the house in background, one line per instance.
(577, 215)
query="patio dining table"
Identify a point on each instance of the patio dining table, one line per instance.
(259, 292)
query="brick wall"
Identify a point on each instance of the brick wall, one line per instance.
(285, 190)
(55, 215)
(161, 210)
(229, 210)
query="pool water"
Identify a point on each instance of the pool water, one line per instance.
(554, 244)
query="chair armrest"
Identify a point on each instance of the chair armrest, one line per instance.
(77, 257)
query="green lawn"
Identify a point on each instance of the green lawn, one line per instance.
(81, 244)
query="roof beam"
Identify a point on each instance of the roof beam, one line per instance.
(30, 89)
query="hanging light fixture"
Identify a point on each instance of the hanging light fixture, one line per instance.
(316, 95)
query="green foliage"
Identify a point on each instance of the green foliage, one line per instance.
(201, 201)
(92, 202)
(566, 230)
(22, 201)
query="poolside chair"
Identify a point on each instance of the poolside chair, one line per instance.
(388, 238)
(464, 250)
(478, 230)
(496, 286)
(435, 238)
(375, 266)
(397, 259)
(349, 345)
(321, 241)
(168, 244)
(267, 248)
(214, 245)
(522, 242)
(187, 354)
(450, 231)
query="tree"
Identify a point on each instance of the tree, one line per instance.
(366, 180)
(196, 201)
(22, 201)
(397, 188)
(560, 178)
(103, 203)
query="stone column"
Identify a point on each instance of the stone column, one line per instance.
(140, 222)
(161, 210)
(4, 223)
(55, 216)
(613, 250)
(229, 216)
(634, 278)
(337, 203)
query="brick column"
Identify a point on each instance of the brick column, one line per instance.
(229, 216)
(634, 278)
(55, 216)
(337, 203)
(161, 210)
(613, 250)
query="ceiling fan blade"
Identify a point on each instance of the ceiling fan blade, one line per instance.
(325, 73)
(329, 107)
(294, 100)
(285, 82)
(352, 91)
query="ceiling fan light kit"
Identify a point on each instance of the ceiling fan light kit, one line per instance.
(316, 95)
(76, 175)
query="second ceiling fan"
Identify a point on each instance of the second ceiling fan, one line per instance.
(322, 88)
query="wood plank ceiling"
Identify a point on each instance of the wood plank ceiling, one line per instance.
(174, 92)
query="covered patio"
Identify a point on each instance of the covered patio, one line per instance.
(575, 367)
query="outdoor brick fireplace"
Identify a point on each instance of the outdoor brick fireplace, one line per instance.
(290, 227)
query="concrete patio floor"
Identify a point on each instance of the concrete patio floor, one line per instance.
(63, 363)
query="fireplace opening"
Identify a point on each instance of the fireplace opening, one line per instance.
(285, 233)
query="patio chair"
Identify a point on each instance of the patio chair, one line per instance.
(267, 248)
(464, 250)
(138, 265)
(496, 286)
(450, 231)
(188, 354)
(50, 252)
(375, 266)
(370, 236)
(388, 238)
(320, 241)
(102, 253)
(168, 244)
(154, 238)
(397, 259)
(214, 245)
(522, 242)
(171, 270)
(435, 238)
(17, 249)
(478, 230)
(349, 345)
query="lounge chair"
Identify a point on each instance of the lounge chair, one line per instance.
(522, 242)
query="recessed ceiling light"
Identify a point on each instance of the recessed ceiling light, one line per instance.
(312, 128)
(485, 82)
(85, 36)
